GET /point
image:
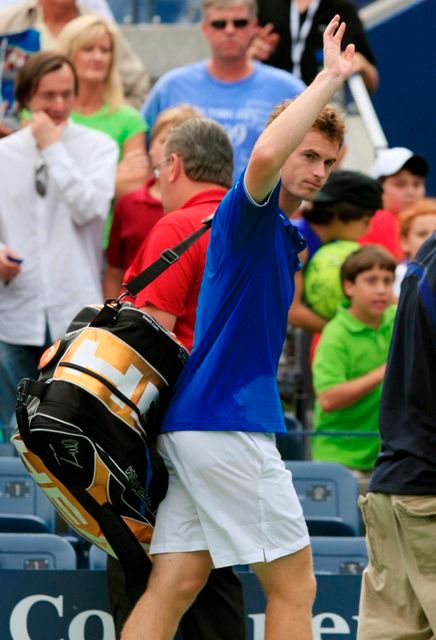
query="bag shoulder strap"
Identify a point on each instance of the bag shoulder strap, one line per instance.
(166, 259)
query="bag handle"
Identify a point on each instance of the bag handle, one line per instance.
(167, 258)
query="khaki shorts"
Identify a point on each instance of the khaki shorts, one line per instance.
(398, 598)
(229, 493)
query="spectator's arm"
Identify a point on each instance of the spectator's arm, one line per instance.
(349, 392)
(88, 189)
(112, 281)
(367, 70)
(301, 316)
(167, 320)
(132, 171)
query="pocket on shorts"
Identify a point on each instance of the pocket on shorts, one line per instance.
(417, 515)
(372, 542)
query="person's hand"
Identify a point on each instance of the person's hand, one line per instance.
(132, 172)
(339, 63)
(8, 268)
(264, 43)
(44, 130)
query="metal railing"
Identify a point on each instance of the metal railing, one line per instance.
(367, 113)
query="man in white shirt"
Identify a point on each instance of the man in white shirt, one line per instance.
(57, 181)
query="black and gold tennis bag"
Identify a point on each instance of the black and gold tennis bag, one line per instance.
(87, 427)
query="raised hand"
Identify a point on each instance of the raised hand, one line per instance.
(338, 62)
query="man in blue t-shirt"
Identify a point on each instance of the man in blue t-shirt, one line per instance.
(398, 589)
(228, 87)
(230, 498)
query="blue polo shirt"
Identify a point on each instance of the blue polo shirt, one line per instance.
(229, 382)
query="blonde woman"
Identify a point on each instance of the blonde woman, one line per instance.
(92, 43)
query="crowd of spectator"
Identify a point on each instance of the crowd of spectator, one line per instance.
(82, 207)
(108, 91)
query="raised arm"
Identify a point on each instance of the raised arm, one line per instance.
(285, 133)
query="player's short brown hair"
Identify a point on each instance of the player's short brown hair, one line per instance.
(330, 122)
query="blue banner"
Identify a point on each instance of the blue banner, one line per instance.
(73, 605)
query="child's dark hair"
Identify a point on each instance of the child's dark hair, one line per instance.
(364, 259)
(323, 213)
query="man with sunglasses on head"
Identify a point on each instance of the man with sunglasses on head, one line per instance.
(228, 87)
(57, 181)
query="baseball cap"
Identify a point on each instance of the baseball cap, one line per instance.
(352, 187)
(390, 161)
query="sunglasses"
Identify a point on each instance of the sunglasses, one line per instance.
(41, 178)
(238, 23)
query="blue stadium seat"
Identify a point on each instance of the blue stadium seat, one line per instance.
(7, 450)
(343, 555)
(328, 494)
(17, 523)
(339, 555)
(97, 558)
(20, 495)
(29, 551)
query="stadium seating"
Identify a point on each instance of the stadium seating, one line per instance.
(17, 523)
(19, 495)
(7, 450)
(97, 558)
(328, 494)
(344, 555)
(29, 551)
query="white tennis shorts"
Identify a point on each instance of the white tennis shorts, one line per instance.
(229, 493)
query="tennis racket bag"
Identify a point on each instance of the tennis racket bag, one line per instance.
(87, 427)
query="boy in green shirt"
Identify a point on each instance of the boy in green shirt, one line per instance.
(350, 360)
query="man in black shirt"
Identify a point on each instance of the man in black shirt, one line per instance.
(398, 597)
(300, 25)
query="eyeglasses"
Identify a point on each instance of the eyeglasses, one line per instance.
(157, 167)
(238, 23)
(41, 178)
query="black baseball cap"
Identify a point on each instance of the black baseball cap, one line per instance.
(352, 187)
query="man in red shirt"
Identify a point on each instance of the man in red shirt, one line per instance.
(172, 298)
(195, 174)
(190, 196)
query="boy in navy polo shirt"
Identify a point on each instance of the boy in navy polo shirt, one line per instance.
(230, 498)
